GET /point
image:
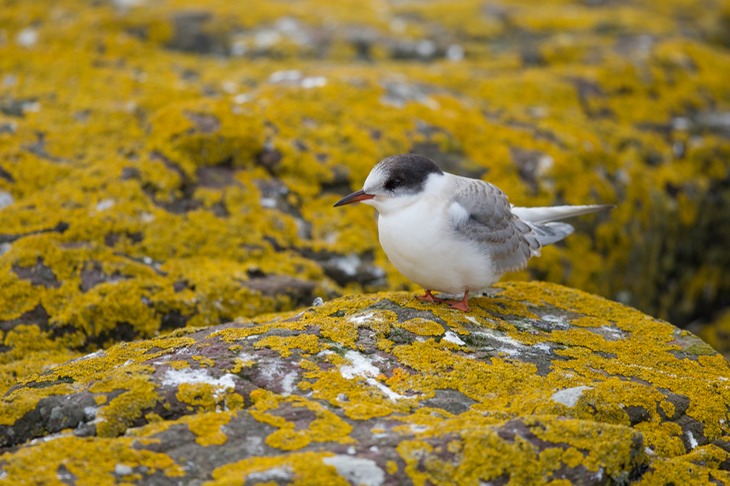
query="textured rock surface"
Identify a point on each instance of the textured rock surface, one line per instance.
(171, 165)
(540, 381)
(165, 164)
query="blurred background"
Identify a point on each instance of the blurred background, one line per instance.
(166, 163)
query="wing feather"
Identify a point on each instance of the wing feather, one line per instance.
(554, 213)
(485, 217)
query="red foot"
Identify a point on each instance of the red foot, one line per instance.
(462, 305)
(429, 297)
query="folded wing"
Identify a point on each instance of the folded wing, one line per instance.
(510, 235)
(481, 213)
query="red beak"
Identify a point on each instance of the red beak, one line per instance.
(356, 196)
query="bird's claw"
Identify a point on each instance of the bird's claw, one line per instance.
(461, 305)
(429, 297)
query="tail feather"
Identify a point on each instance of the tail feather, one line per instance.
(550, 232)
(554, 213)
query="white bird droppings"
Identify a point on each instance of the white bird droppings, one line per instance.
(287, 383)
(691, 439)
(348, 264)
(452, 337)
(357, 470)
(273, 474)
(176, 377)
(27, 37)
(359, 319)
(6, 199)
(105, 204)
(570, 396)
(123, 470)
(361, 365)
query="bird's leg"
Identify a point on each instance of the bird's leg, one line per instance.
(429, 297)
(462, 305)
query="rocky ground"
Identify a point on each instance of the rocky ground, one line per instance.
(170, 165)
(539, 384)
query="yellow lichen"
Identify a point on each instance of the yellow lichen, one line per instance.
(150, 209)
(698, 467)
(178, 364)
(306, 343)
(207, 427)
(116, 416)
(74, 454)
(354, 396)
(423, 327)
(202, 397)
(325, 427)
(204, 361)
(301, 467)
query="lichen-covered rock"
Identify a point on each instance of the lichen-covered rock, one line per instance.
(717, 334)
(539, 383)
(168, 164)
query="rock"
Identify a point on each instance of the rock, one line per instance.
(215, 139)
(193, 34)
(166, 167)
(538, 381)
(718, 333)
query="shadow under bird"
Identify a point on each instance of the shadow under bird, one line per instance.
(454, 234)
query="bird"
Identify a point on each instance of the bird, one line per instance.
(453, 234)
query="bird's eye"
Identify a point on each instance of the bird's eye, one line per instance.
(393, 183)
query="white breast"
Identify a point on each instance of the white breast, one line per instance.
(423, 246)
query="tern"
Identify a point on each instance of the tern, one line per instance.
(455, 234)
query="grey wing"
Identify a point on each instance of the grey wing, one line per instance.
(480, 212)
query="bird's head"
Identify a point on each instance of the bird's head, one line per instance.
(394, 182)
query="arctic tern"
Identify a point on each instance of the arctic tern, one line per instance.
(454, 234)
